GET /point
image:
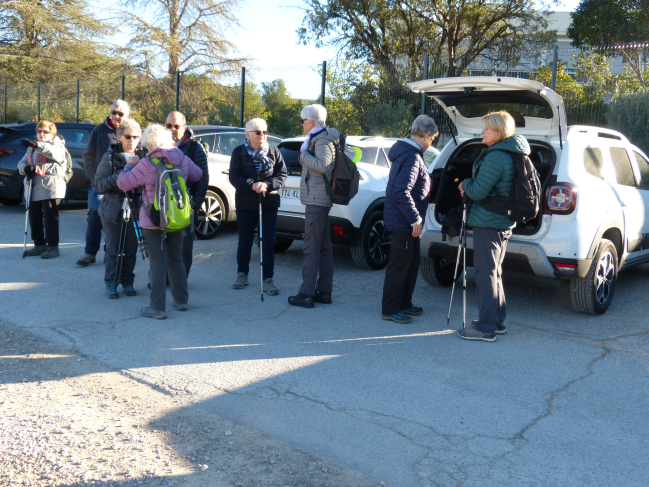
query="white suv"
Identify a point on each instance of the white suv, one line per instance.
(596, 191)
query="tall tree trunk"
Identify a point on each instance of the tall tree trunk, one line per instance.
(174, 41)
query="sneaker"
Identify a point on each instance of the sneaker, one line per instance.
(241, 282)
(323, 298)
(50, 253)
(35, 250)
(269, 287)
(111, 290)
(181, 307)
(152, 313)
(400, 317)
(413, 310)
(301, 300)
(472, 333)
(129, 290)
(86, 260)
(502, 328)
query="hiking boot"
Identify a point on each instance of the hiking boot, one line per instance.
(472, 333)
(323, 298)
(181, 307)
(269, 287)
(86, 260)
(129, 290)
(152, 313)
(50, 253)
(111, 290)
(413, 310)
(241, 282)
(502, 328)
(35, 250)
(301, 300)
(400, 317)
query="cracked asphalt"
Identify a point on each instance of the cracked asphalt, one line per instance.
(560, 400)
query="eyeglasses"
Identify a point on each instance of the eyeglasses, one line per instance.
(41, 131)
(118, 113)
(176, 126)
(259, 132)
(129, 137)
(303, 121)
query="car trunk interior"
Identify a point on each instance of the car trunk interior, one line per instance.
(459, 167)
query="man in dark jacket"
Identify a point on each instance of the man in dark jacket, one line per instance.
(101, 138)
(406, 201)
(192, 148)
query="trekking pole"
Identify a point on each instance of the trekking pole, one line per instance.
(261, 251)
(463, 236)
(457, 262)
(141, 241)
(126, 216)
(27, 202)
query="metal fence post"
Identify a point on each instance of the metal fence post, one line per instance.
(38, 98)
(423, 95)
(324, 83)
(243, 94)
(77, 101)
(122, 97)
(177, 90)
(5, 117)
(555, 61)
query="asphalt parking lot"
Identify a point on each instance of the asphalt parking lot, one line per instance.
(560, 400)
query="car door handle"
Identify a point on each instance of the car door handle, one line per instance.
(227, 171)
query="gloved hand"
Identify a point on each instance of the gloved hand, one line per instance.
(26, 143)
(29, 172)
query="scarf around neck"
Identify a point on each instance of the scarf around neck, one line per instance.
(265, 163)
(312, 133)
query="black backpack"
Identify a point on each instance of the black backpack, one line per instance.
(525, 200)
(345, 177)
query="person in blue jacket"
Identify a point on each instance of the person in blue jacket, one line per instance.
(406, 202)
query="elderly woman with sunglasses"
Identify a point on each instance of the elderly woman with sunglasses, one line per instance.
(111, 210)
(44, 165)
(257, 171)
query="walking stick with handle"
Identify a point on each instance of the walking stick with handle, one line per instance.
(261, 251)
(27, 202)
(461, 243)
(463, 237)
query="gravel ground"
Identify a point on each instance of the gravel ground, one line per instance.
(66, 420)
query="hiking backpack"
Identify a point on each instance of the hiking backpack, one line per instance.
(68, 166)
(524, 202)
(171, 209)
(344, 178)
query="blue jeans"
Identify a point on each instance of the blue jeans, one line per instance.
(93, 231)
(246, 223)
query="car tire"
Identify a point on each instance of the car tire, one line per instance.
(11, 201)
(281, 244)
(212, 216)
(372, 250)
(593, 294)
(438, 271)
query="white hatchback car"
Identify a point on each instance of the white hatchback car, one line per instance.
(593, 220)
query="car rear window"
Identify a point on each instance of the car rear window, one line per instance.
(622, 165)
(10, 139)
(478, 110)
(643, 164)
(594, 162)
(291, 153)
(75, 137)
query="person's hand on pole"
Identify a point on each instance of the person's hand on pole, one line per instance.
(29, 172)
(260, 187)
(461, 189)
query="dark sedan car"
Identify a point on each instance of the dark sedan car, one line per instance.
(11, 182)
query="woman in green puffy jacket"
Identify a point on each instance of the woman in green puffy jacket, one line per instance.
(494, 174)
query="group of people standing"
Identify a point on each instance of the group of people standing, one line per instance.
(118, 162)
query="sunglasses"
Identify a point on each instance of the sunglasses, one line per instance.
(176, 126)
(40, 131)
(129, 137)
(303, 121)
(119, 114)
(259, 132)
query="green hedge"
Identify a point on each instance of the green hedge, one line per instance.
(629, 114)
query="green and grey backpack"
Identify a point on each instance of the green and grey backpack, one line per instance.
(171, 209)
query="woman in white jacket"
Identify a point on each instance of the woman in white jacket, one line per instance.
(44, 166)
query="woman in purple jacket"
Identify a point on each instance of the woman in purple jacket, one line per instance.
(165, 257)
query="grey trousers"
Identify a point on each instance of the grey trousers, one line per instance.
(112, 232)
(489, 247)
(166, 261)
(188, 246)
(318, 264)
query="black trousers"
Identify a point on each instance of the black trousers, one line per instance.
(401, 273)
(247, 221)
(113, 233)
(45, 213)
(188, 244)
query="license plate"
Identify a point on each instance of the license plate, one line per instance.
(293, 194)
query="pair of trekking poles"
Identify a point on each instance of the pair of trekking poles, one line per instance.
(461, 252)
(129, 209)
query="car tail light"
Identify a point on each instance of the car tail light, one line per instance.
(561, 198)
(565, 267)
(338, 230)
(6, 152)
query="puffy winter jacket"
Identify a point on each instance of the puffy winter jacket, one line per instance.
(318, 160)
(110, 167)
(198, 189)
(406, 195)
(496, 176)
(50, 163)
(101, 138)
(244, 174)
(144, 174)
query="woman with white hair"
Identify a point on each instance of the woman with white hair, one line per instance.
(317, 157)
(257, 171)
(165, 256)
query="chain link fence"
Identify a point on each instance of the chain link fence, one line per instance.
(601, 88)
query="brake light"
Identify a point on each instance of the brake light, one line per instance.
(6, 152)
(565, 267)
(561, 198)
(338, 230)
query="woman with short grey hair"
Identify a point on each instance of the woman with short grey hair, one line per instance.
(406, 202)
(315, 113)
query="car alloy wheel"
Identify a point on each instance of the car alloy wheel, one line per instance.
(593, 293)
(372, 250)
(605, 278)
(211, 216)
